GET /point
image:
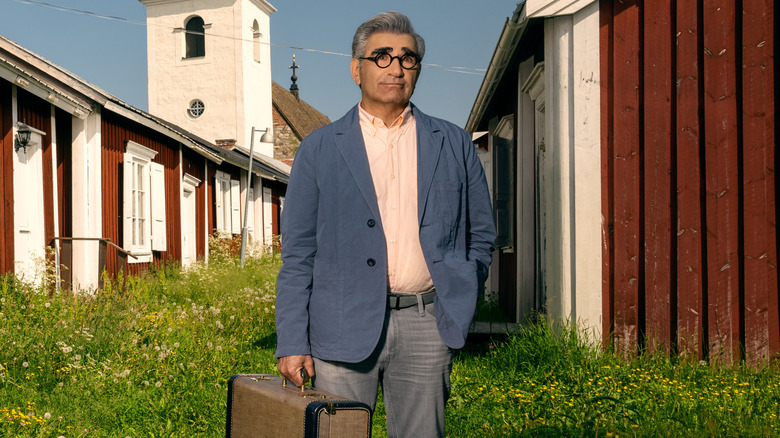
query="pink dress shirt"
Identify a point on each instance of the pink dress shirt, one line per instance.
(392, 158)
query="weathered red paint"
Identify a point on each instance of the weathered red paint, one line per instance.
(6, 180)
(607, 169)
(627, 170)
(762, 339)
(660, 295)
(694, 230)
(64, 128)
(689, 230)
(721, 179)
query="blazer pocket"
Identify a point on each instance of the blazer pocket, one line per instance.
(448, 197)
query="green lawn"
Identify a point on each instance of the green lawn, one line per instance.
(152, 359)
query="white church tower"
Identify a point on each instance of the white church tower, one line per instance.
(210, 67)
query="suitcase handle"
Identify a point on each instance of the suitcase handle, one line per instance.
(304, 376)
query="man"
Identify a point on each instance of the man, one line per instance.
(387, 233)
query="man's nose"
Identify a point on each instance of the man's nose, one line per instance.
(395, 68)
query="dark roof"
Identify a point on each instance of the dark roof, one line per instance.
(78, 92)
(299, 115)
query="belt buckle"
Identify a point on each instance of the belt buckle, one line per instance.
(394, 302)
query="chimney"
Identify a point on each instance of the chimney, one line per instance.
(227, 143)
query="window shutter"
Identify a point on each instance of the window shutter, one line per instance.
(235, 207)
(127, 203)
(147, 208)
(157, 193)
(504, 192)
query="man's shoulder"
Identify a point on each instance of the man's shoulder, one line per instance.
(439, 124)
(340, 125)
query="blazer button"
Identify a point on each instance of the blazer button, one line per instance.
(371, 262)
(371, 223)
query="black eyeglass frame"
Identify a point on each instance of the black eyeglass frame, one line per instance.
(399, 58)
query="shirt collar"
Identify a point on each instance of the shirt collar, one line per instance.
(375, 123)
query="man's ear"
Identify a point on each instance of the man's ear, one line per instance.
(354, 68)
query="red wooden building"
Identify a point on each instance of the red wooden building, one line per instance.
(641, 138)
(110, 187)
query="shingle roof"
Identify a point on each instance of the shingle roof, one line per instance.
(79, 92)
(299, 115)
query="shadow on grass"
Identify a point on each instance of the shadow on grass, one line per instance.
(266, 342)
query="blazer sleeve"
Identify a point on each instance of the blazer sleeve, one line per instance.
(299, 247)
(480, 225)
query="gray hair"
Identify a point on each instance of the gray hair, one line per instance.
(391, 22)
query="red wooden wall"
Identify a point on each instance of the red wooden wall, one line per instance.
(64, 127)
(688, 158)
(6, 179)
(115, 131)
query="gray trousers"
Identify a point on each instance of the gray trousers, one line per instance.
(413, 366)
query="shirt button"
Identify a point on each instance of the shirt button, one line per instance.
(371, 262)
(392, 207)
(371, 223)
(392, 176)
(392, 240)
(390, 146)
(390, 274)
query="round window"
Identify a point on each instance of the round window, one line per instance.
(196, 108)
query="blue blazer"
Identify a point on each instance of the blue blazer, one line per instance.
(332, 287)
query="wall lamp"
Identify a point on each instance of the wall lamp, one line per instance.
(23, 134)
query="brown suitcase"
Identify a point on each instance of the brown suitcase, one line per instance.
(262, 405)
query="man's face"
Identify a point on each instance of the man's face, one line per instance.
(389, 87)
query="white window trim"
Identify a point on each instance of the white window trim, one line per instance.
(141, 155)
(228, 205)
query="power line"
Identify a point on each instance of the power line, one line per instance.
(450, 68)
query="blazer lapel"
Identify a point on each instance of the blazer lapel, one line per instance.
(349, 141)
(429, 143)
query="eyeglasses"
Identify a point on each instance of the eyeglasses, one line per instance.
(383, 60)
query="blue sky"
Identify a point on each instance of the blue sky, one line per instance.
(111, 53)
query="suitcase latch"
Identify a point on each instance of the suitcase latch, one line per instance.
(259, 378)
(312, 395)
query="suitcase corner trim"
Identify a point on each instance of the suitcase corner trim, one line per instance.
(311, 425)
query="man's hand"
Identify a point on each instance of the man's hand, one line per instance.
(290, 367)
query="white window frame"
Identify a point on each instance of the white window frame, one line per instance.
(143, 212)
(227, 196)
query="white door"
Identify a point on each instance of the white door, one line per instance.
(268, 229)
(28, 211)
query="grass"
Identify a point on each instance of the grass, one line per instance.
(152, 359)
